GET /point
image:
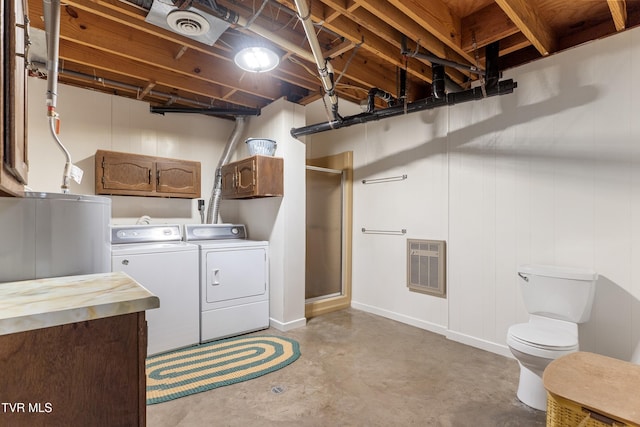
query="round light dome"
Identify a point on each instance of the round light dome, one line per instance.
(256, 59)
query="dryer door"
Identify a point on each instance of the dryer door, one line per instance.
(233, 274)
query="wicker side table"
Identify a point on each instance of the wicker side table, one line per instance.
(591, 390)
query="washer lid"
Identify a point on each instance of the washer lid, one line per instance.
(543, 337)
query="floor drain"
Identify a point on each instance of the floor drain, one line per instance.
(277, 389)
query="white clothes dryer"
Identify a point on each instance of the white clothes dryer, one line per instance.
(234, 280)
(157, 258)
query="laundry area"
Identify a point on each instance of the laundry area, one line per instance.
(404, 219)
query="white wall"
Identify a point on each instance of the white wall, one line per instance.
(92, 120)
(548, 174)
(281, 220)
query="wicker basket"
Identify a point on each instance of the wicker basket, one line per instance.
(261, 146)
(565, 413)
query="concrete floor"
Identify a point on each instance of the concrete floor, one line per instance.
(358, 369)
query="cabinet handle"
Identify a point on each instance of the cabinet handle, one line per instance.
(149, 176)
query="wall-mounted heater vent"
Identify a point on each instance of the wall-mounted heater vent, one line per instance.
(426, 267)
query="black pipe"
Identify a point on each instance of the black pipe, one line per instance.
(402, 92)
(385, 96)
(436, 60)
(492, 74)
(437, 81)
(502, 88)
(208, 111)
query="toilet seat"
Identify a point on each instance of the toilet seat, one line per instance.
(540, 340)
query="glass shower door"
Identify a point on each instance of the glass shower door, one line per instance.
(324, 233)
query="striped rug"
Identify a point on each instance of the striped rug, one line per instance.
(216, 364)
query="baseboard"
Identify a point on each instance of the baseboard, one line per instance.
(284, 327)
(489, 346)
(432, 327)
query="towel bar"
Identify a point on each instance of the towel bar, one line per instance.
(394, 232)
(387, 179)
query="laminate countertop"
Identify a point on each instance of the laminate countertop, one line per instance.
(42, 303)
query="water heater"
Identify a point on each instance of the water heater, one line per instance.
(52, 235)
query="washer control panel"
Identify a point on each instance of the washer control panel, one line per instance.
(145, 233)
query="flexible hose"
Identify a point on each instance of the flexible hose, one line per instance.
(216, 194)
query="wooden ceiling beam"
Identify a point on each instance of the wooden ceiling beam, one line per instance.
(486, 26)
(618, 13)
(436, 17)
(133, 17)
(72, 53)
(369, 41)
(390, 14)
(528, 20)
(387, 31)
(89, 30)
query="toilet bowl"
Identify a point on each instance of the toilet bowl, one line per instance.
(536, 344)
(557, 299)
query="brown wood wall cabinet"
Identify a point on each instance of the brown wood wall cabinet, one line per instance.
(13, 85)
(89, 373)
(257, 176)
(129, 174)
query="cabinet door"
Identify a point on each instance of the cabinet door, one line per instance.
(228, 180)
(13, 75)
(178, 178)
(88, 373)
(122, 173)
(246, 177)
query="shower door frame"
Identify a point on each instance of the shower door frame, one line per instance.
(321, 305)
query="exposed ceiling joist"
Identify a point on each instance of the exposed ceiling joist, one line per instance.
(527, 19)
(618, 13)
(110, 40)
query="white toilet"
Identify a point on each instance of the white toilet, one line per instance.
(557, 299)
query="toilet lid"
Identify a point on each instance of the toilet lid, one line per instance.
(543, 337)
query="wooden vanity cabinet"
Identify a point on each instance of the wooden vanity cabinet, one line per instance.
(89, 373)
(257, 176)
(129, 174)
(13, 112)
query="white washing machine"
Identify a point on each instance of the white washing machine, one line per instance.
(157, 258)
(234, 280)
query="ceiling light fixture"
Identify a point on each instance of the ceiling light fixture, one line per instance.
(256, 59)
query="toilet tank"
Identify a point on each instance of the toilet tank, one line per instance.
(563, 293)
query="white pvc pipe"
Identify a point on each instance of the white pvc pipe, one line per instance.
(324, 67)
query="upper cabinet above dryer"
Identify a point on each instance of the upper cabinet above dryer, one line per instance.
(256, 176)
(129, 174)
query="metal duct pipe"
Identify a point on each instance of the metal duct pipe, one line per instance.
(502, 88)
(52, 31)
(210, 111)
(324, 67)
(206, 107)
(216, 194)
